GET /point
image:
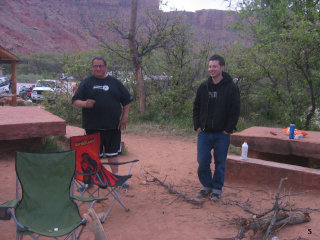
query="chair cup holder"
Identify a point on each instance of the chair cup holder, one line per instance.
(4, 213)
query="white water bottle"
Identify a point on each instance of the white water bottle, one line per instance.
(244, 150)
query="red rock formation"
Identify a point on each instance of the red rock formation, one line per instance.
(29, 26)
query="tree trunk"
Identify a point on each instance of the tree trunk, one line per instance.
(137, 63)
(141, 91)
(313, 98)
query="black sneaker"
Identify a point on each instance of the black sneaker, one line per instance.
(203, 193)
(215, 197)
(125, 185)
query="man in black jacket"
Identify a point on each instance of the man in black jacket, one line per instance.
(215, 115)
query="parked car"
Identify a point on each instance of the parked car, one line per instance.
(42, 87)
(4, 85)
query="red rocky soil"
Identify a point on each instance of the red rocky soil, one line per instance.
(155, 214)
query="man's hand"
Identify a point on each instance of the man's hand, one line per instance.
(124, 119)
(123, 124)
(89, 103)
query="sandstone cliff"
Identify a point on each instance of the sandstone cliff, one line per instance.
(29, 26)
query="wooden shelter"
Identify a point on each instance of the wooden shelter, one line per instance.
(24, 127)
(6, 57)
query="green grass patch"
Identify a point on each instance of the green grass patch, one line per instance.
(50, 144)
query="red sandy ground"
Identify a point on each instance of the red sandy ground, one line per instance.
(155, 214)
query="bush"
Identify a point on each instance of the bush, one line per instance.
(63, 108)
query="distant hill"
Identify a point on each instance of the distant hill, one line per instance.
(29, 26)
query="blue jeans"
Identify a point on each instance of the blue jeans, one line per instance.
(219, 142)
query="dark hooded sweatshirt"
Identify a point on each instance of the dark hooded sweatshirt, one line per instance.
(217, 106)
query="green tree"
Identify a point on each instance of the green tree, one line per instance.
(37, 66)
(143, 34)
(46, 64)
(284, 53)
(78, 65)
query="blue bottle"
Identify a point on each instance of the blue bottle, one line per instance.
(292, 128)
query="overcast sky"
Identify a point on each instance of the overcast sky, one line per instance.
(194, 5)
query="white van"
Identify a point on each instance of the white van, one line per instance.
(4, 85)
(42, 86)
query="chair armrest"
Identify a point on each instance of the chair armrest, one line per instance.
(93, 200)
(6, 213)
(4, 209)
(11, 203)
(87, 199)
(119, 163)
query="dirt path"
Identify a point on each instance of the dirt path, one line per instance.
(155, 214)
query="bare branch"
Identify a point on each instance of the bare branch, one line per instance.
(280, 218)
(276, 210)
(173, 191)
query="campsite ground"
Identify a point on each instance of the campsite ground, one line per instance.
(157, 214)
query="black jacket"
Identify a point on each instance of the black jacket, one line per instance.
(224, 105)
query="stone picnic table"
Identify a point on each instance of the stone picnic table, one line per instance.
(23, 127)
(278, 147)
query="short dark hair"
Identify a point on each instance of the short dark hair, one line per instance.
(218, 58)
(99, 58)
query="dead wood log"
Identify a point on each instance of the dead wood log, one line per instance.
(173, 191)
(260, 224)
(293, 218)
(268, 224)
(283, 219)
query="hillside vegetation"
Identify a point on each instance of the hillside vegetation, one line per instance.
(277, 73)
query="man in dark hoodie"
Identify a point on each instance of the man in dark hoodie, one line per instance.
(215, 115)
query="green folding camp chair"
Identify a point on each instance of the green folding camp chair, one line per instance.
(45, 207)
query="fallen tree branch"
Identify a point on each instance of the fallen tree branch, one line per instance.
(173, 191)
(266, 225)
(173, 200)
(263, 224)
(302, 209)
(276, 210)
(246, 209)
(293, 194)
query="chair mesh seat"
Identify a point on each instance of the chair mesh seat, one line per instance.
(90, 170)
(45, 207)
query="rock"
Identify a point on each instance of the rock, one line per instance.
(56, 26)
